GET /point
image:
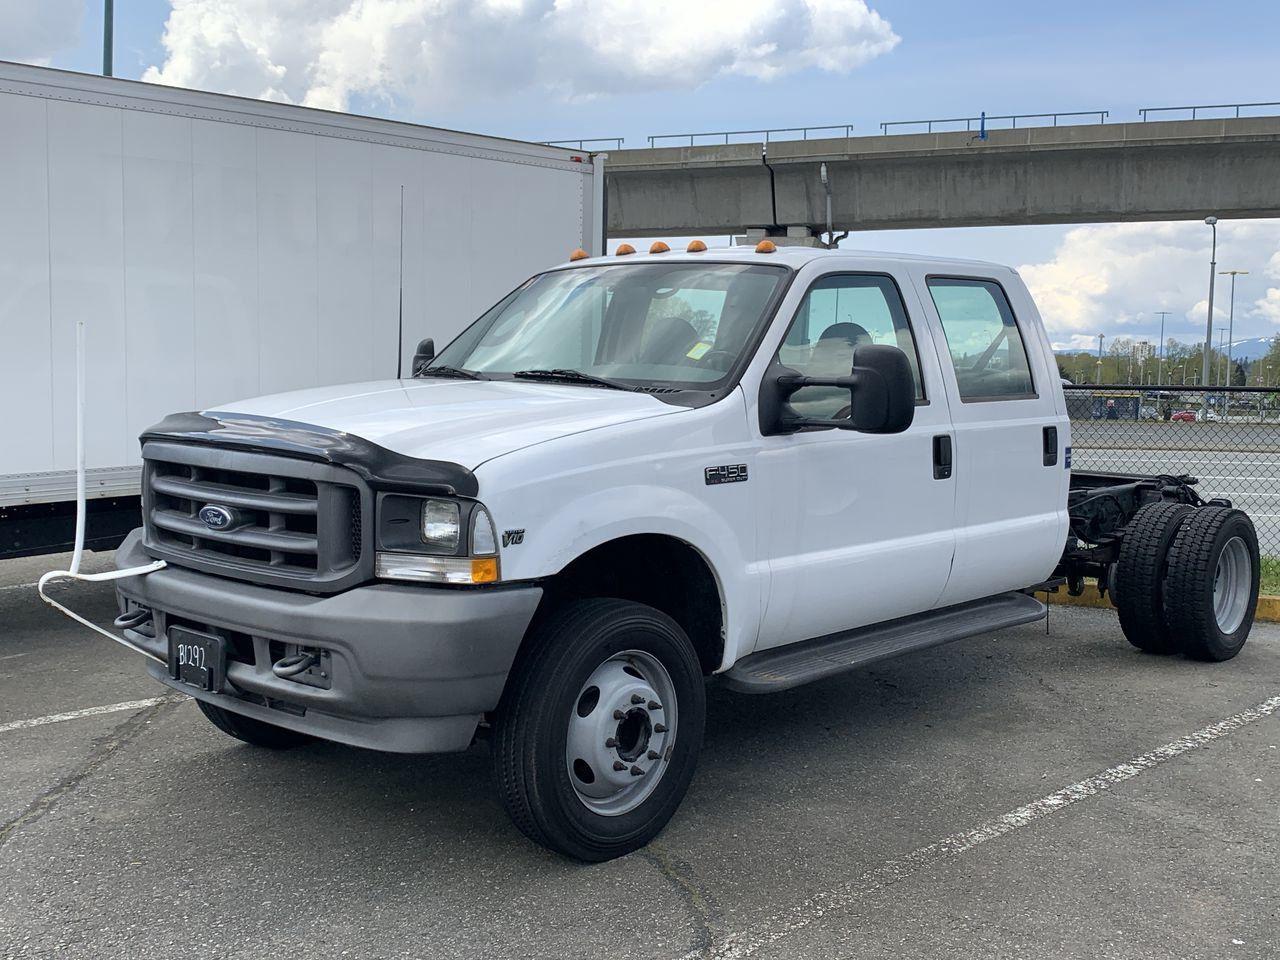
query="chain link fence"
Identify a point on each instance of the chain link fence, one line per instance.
(1228, 437)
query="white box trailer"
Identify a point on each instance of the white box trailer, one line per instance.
(218, 248)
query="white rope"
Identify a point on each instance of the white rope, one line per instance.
(74, 573)
(96, 578)
(80, 491)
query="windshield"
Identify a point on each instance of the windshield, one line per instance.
(682, 325)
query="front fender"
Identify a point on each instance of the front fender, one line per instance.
(573, 531)
(554, 502)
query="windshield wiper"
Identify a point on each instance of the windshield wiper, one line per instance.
(570, 376)
(456, 373)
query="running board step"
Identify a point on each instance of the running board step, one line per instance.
(794, 664)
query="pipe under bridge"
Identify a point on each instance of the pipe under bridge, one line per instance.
(1100, 173)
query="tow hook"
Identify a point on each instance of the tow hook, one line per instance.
(310, 666)
(288, 667)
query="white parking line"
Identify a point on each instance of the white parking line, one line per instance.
(782, 925)
(88, 712)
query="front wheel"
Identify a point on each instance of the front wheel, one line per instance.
(598, 732)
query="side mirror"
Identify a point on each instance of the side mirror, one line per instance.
(425, 353)
(882, 394)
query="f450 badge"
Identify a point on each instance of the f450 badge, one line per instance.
(729, 473)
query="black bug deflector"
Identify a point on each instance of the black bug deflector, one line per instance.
(383, 469)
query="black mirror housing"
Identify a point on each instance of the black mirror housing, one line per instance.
(425, 353)
(881, 389)
(884, 390)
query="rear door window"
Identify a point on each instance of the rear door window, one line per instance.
(986, 346)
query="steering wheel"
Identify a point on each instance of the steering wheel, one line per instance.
(728, 356)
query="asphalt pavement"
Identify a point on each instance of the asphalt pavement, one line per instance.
(1024, 794)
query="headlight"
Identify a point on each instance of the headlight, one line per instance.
(441, 526)
(435, 540)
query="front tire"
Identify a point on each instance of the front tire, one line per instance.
(253, 731)
(1211, 593)
(598, 733)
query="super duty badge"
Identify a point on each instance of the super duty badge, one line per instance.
(730, 473)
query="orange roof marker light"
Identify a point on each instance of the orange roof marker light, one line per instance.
(766, 246)
(696, 246)
(578, 254)
(624, 249)
(659, 247)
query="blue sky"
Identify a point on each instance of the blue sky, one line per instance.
(950, 60)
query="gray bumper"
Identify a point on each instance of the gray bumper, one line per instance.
(411, 668)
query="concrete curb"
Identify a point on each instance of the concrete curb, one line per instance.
(1268, 607)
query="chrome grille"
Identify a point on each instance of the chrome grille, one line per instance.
(293, 522)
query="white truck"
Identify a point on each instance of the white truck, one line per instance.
(217, 248)
(634, 473)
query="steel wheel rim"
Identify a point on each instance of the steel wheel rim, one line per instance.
(1232, 585)
(622, 729)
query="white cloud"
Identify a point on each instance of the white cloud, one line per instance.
(1268, 306)
(1111, 278)
(32, 31)
(323, 52)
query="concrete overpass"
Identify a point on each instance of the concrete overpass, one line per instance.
(1157, 170)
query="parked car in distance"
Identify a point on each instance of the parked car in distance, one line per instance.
(1184, 416)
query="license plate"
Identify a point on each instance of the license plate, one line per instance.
(197, 658)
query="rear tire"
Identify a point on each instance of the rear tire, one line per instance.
(252, 731)
(603, 688)
(1140, 572)
(1211, 593)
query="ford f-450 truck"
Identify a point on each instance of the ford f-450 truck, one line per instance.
(632, 474)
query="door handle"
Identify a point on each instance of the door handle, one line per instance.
(942, 456)
(1050, 446)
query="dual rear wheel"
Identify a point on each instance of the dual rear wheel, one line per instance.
(1186, 580)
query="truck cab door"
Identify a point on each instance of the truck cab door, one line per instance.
(856, 527)
(1011, 432)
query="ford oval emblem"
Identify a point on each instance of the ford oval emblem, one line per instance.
(216, 517)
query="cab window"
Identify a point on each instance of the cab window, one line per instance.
(839, 313)
(986, 347)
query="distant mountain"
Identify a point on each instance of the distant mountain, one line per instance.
(1252, 349)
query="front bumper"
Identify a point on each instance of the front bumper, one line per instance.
(409, 669)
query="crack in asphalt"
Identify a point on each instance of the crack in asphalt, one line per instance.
(704, 913)
(103, 749)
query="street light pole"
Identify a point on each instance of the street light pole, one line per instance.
(1100, 336)
(1208, 325)
(1160, 366)
(1231, 315)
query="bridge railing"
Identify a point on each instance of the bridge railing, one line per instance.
(1234, 107)
(771, 132)
(1013, 119)
(582, 144)
(1228, 437)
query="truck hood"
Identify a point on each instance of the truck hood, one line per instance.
(462, 421)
